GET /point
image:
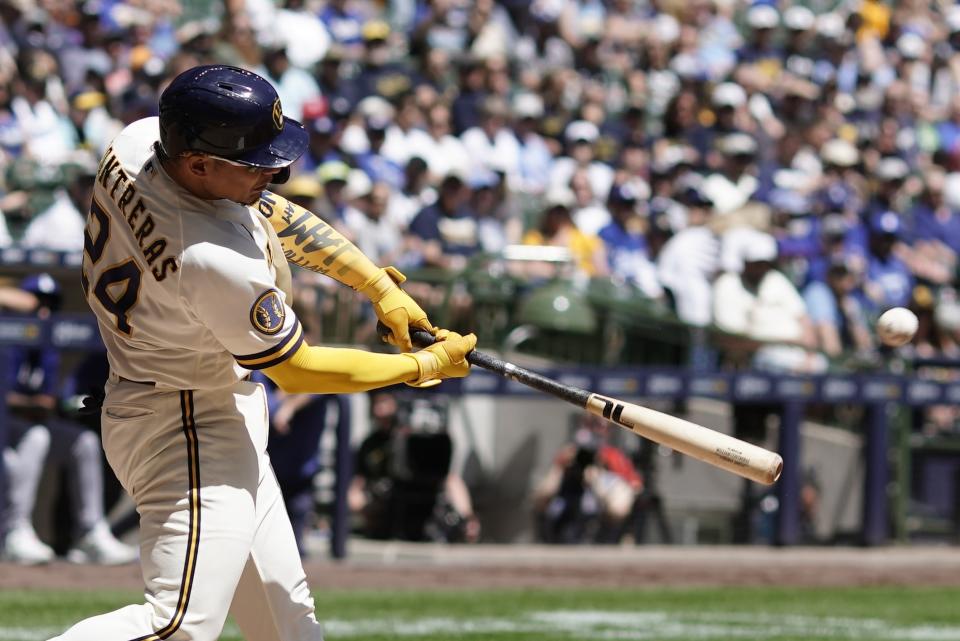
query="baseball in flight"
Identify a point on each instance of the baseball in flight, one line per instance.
(896, 326)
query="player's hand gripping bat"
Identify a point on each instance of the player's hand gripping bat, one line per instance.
(712, 447)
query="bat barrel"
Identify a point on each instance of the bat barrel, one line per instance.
(716, 448)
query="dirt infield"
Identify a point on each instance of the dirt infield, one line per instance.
(383, 566)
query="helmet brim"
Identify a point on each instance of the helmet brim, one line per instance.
(288, 145)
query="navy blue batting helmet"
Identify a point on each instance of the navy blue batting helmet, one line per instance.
(231, 113)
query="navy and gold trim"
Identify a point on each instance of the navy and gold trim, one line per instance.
(276, 354)
(193, 531)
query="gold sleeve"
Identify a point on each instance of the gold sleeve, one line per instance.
(308, 241)
(334, 370)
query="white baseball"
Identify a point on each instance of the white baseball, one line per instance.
(896, 326)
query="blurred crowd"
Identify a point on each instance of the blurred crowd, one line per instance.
(800, 158)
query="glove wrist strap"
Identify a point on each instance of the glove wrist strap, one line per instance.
(427, 365)
(381, 283)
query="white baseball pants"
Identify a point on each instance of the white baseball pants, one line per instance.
(214, 534)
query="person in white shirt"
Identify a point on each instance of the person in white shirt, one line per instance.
(59, 227)
(492, 144)
(762, 304)
(444, 152)
(581, 136)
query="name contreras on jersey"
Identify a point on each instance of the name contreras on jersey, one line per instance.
(113, 178)
(308, 232)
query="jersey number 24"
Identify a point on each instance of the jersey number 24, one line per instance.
(118, 286)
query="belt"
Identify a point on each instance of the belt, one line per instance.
(246, 378)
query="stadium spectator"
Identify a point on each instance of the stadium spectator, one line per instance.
(444, 234)
(838, 318)
(888, 283)
(403, 486)
(588, 493)
(760, 303)
(556, 228)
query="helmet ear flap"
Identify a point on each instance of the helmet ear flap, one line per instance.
(281, 176)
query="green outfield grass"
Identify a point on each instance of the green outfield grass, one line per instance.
(745, 614)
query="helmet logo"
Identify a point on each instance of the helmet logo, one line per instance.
(277, 115)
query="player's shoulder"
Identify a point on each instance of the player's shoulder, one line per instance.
(133, 146)
(221, 242)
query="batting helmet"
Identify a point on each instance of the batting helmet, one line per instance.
(231, 113)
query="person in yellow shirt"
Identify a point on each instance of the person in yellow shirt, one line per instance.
(557, 229)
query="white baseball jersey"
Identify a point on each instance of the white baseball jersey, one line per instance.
(183, 288)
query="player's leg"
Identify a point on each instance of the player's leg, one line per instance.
(192, 469)
(25, 458)
(274, 574)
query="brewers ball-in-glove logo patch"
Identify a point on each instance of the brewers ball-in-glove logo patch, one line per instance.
(268, 314)
(277, 115)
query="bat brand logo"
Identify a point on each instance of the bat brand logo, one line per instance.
(277, 115)
(267, 314)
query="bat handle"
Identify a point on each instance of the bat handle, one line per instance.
(422, 338)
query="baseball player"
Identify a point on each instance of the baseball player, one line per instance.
(190, 290)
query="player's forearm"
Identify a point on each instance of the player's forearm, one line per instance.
(311, 243)
(332, 370)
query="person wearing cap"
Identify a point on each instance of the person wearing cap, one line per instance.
(382, 74)
(345, 24)
(762, 304)
(888, 281)
(890, 177)
(534, 158)
(937, 230)
(761, 52)
(492, 143)
(624, 238)
(557, 229)
(580, 136)
(735, 182)
(333, 176)
(60, 226)
(839, 320)
(378, 166)
(295, 86)
(444, 152)
(444, 234)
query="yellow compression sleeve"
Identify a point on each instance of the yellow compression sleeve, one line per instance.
(334, 370)
(311, 243)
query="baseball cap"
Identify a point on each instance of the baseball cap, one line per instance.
(761, 248)
(333, 170)
(375, 30)
(839, 152)
(322, 125)
(559, 196)
(763, 16)
(581, 130)
(833, 226)
(953, 18)
(911, 46)
(789, 201)
(798, 18)
(892, 168)
(527, 105)
(358, 184)
(831, 26)
(303, 185)
(738, 144)
(886, 223)
(377, 122)
(728, 94)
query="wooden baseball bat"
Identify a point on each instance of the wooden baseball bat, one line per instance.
(712, 447)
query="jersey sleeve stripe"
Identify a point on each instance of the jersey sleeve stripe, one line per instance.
(276, 354)
(279, 359)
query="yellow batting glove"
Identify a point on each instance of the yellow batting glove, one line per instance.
(447, 358)
(394, 307)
